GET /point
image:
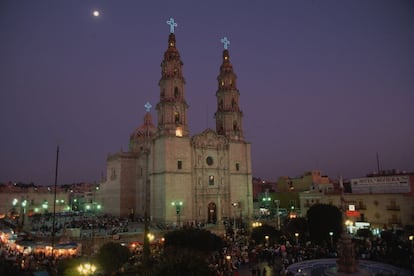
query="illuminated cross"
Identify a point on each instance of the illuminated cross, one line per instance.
(172, 24)
(148, 106)
(226, 42)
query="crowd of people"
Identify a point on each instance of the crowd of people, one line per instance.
(240, 252)
(100, 224)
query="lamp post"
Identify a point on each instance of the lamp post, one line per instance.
(178, 205)
(277, 202)
(45, 206)
(24, 203)
(228, 260)
(14, 203)
(86, 269)
(267, 240)
(234, 204)
(331, 237)
(256, 224)
(266, 201)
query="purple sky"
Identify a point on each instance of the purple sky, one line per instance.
(323, 84)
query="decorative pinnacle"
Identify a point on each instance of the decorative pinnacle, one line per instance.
(148, 107)
(226, 42)
(172, 24)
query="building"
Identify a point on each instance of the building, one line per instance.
(28, 199)
(289, 189)
(174, 177)
(261, 186)
(382, 201)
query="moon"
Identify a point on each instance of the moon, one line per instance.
(96, 13)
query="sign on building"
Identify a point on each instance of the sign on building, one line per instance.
(381, 184)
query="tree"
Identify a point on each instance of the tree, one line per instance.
(186, 251)
(182, 262)
(323, 219)
(297, 225)
(259, 234)
(193, 239)
(112, 256)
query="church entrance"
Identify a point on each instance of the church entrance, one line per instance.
(212, 213)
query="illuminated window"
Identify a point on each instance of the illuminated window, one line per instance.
(179, 132)
(211, 180)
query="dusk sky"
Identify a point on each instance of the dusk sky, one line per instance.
(323, 84)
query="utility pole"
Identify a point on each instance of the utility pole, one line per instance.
(54, 200)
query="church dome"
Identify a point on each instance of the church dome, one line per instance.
(142, 134)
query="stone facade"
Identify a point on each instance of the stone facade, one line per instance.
(174, 177)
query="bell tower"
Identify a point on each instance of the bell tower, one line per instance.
(228, 115)
(172, 107)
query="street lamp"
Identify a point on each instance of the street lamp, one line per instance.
(297, 238)
(45, 206)
(228, 259)
(267, 240)
(234, 204)
(277, 202)
(150, 237)
(256, 224)
(331, 237)
(266, 201)
(178, 205)
(86, 269)
(24, 204)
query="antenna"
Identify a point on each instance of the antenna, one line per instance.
(206, 115)
(378, 164)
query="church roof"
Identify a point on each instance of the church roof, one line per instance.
(146, 130)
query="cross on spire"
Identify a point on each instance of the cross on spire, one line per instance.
(172, 24)
(148, 107)
(226, 42)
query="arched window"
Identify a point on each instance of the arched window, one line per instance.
(176, 93)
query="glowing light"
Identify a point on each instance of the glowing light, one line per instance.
(226, 42)
(172, 24)
(86, 269)
(96, 13)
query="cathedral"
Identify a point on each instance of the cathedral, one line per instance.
(174, 177)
